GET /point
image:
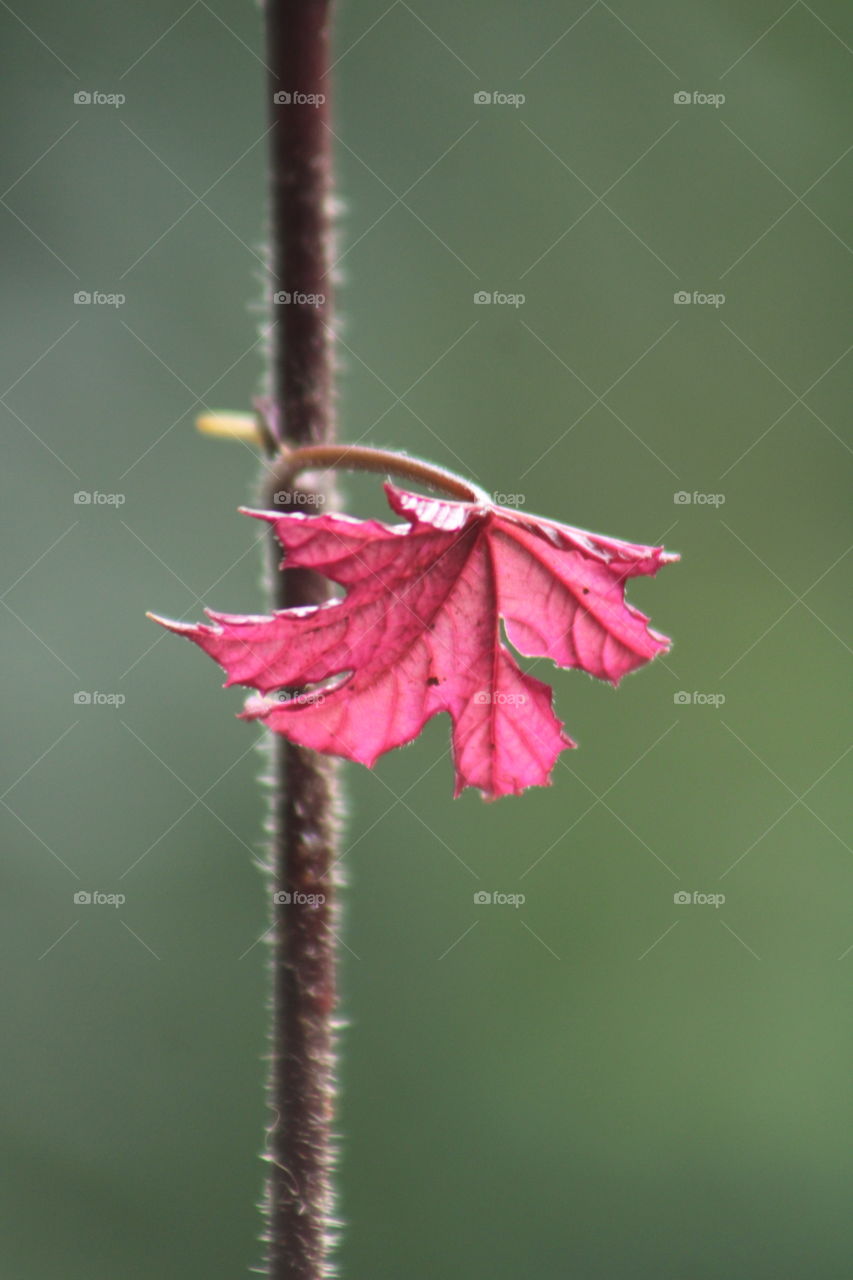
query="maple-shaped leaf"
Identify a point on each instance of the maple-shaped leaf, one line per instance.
(418, 632)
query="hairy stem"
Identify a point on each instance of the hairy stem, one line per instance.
(299, 1208)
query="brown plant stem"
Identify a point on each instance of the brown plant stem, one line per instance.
(299, 1203)
(363, 458)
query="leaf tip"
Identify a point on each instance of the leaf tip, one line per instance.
(229, 426)
(163, 622)
(179, 628)
(269, 516)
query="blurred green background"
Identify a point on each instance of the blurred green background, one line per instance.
(603, 1082)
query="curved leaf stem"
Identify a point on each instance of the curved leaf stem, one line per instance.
(386, 462)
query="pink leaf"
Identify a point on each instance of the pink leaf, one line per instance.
(418, 632)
